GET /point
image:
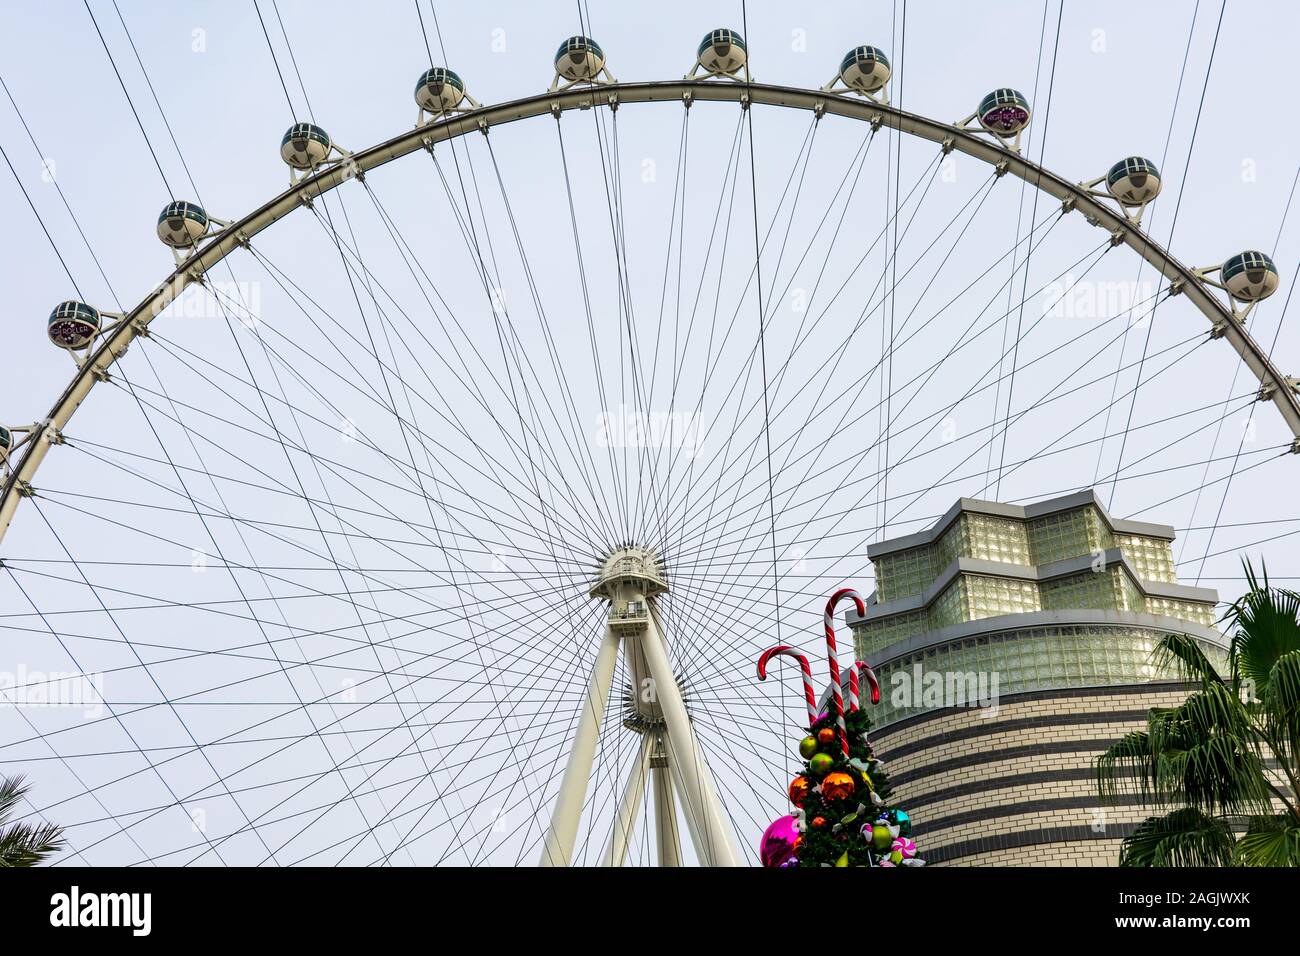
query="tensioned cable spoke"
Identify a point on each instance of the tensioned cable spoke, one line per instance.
(751, 588)
(841, 353)
(332, 568)
(962, 342)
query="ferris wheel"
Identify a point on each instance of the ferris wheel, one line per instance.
(435, 510)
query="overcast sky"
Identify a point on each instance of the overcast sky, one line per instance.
(433, 434)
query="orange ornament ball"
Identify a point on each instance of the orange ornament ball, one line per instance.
(826, 736)
(818, 822)
(800, 787)
(837, 786)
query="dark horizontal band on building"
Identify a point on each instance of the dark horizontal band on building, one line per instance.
(1027, 779)
(1023, 838)
(993, 784)
(1104, 690)
(1092, 745)
(1045, 805)
(993, 727)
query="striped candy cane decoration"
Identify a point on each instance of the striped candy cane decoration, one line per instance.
(832, 656)
(810, 696)
(864, 669)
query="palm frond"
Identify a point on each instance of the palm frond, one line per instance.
(1206, 755)
(1201, 753)
(1212, 711)
(1215, 776)
(1126, 765)
(1253, 585)
(1265, 624)
(1181, 654)
(1206, 758)
(1185, 837)
(1270, 841)
(23, 844)
(12, 790)
(1281, 708)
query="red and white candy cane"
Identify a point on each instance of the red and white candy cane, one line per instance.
(809, 694)
(864, 669)
(832, 656)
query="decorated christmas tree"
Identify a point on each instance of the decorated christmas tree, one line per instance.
(842, 810)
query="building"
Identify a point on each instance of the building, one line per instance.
(1013, 644)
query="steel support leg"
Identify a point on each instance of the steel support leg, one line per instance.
(558, 848)
(704, 816)
(616, 852)
(668, 839)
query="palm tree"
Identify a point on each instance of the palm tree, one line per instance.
(1226, 761)
(22, 844)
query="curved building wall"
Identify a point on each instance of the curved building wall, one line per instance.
(1013, 644)
(982, 662)
(1018, 788)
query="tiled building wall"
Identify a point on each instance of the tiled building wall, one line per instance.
(1066, 853)
(1053, 537)
(991, 596)
(1017, 787)
(875, 637)
(990, 538)
(950, 606)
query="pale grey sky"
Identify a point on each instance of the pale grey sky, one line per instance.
(496, 645)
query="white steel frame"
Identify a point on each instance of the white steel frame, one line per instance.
(669, 759)
(1274, 386)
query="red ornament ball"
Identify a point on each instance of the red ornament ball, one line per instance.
(826, 736)
(837, 786)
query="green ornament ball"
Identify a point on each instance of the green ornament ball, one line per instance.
(881, 838)
(821, 764)
(807, 747)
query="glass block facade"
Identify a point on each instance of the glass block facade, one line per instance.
(1068, 534)
(1183, 610)
(988, 561)
(986, 537)
(871, 641)
(1110, 589)
(1153, 560)
(1033, 658)
(904, 574)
